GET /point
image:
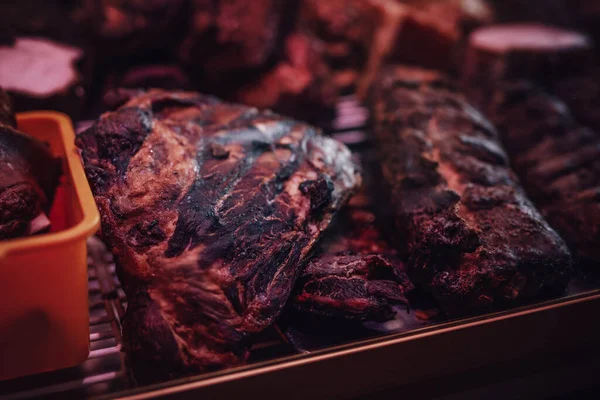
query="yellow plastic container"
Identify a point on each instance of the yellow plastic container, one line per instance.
(44, 315)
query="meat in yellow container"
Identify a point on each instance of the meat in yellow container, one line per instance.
(44, 316)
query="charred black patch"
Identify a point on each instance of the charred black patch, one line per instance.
(117, 139)
(456, 231)
(319, 191)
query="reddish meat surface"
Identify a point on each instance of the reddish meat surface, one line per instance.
(472, 237)
(211, 210)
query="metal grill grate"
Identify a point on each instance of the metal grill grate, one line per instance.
(105, 371)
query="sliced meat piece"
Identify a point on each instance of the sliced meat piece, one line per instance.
(355, 274)
(524, 51)
(211, 210)
(558, 161)
(358, 287)
(472, 237)
(41, 74)
(28, 178)
(7, 112)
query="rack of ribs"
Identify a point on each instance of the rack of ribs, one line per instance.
(211, 210)
(472, 237)
(558, 161)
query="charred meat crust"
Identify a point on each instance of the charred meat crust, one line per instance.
(557, 160)
(211, 210)
(472, 237)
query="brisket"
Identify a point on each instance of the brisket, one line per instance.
(472, 237)
(355, 274)
(558, 161)
(211, 209)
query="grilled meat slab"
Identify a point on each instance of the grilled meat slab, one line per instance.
(211, 210)
(356, 274)
(472, 237)
(558, 161)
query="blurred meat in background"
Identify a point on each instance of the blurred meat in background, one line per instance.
(294, 56)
